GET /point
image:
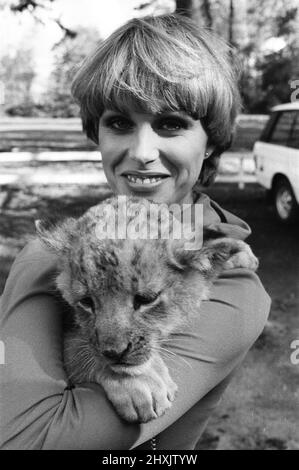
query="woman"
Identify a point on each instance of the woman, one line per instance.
(160, 98)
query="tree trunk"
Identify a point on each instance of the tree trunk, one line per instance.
(206, 9)
(231, 39)
(184, 7)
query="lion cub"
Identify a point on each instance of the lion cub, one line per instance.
(127, 296)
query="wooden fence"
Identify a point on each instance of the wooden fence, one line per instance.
(37, 134)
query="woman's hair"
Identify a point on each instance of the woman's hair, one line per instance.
(154, 64)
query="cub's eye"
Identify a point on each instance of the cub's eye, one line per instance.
(144, 299)
(87, 303)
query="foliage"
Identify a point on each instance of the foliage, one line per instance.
(246, 24)
(28, 109)
(271, 86)
(69, 54)
(17, 74)
(268, 73)
(35, 7)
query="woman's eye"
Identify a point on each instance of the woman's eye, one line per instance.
(119, 124)
(86, 303)
(171, 124)
(144, 299)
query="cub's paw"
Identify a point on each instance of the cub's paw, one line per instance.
(242, 258)
(141, 398)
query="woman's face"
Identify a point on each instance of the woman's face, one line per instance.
(156, 156)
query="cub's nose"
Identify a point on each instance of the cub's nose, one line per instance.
(116, 354)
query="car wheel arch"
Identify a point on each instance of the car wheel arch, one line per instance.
(281, 181)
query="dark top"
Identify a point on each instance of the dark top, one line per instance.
(39, 412)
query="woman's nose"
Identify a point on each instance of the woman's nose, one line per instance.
(143, 147)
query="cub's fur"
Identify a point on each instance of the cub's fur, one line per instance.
(127, 297)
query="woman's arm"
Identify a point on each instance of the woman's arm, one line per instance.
(214, 345)
(37, 409)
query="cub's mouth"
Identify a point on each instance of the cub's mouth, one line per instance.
(128, 362)
(131, 364)
(132, 369)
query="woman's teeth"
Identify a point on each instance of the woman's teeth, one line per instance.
(145, 180)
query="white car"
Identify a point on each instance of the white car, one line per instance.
(277, 160)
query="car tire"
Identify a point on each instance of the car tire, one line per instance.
(286, 206)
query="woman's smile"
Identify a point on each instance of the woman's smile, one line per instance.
(144, 181)
(157, 154)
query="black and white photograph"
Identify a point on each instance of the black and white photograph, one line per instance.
(149, 228)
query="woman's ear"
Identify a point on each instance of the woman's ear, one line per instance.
(209, 150)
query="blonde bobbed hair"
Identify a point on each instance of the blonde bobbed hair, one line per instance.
(154, 64)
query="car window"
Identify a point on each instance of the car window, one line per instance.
(264, 137)
(294, 138)
(282, 130)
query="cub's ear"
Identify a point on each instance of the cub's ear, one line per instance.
(58, 236)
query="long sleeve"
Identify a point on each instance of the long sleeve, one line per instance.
(209, 351)
(38, 411)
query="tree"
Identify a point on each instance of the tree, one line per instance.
(246, 24)
(35, 8)
(268, 72)
(185, 7)
(155, 7)
(69, 54)
(207, 13)
(17, 74)
(231, 17)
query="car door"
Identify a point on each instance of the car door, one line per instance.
(273, 154)
(293, 144)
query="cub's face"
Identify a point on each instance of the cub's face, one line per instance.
(128, 295)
